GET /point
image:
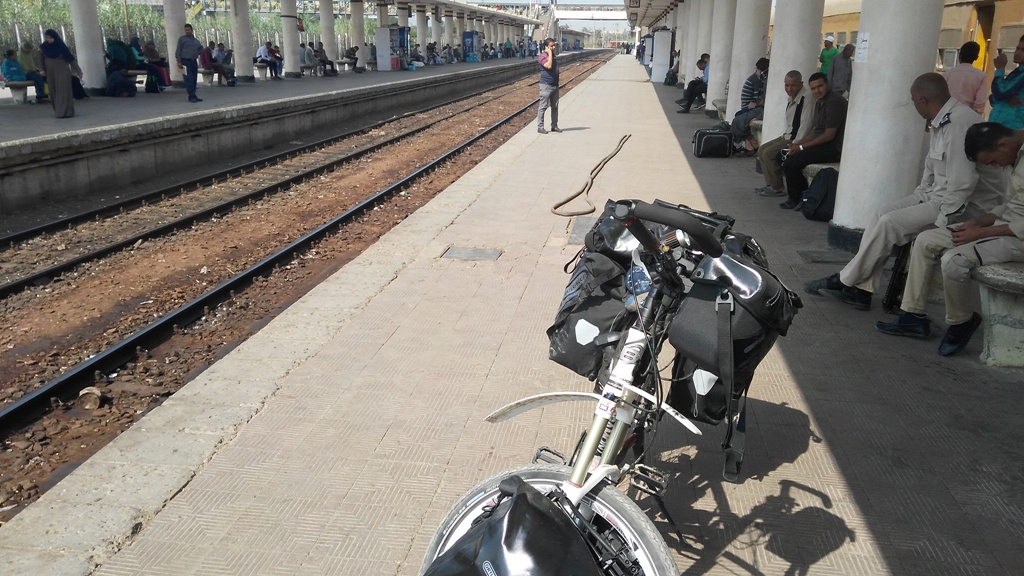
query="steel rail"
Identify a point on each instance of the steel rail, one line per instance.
(118, 354)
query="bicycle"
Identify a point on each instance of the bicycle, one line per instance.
(684, 263)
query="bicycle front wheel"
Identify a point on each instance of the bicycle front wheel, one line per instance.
(616, 518)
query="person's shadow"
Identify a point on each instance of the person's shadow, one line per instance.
(798, 531)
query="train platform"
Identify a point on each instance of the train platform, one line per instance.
(335, 439)
(33, 121)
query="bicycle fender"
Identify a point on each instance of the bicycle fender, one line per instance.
(670, 410)
(531, 402)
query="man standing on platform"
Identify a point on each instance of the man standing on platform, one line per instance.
(840, 72)
(952, 189)
(548, 87)
(997, 236)
(186, 53)
(1007, 90)
(827, 54)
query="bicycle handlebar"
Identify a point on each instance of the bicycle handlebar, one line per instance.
(700, 237)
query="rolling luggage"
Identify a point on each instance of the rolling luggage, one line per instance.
(712, 144)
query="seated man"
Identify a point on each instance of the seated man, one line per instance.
(824, 143)
(208, 62)
(751, 108)
(306, 58)
(997, 236)
(697, 89)
(321, 56)
(799, 116)
(12, 70)
(226, 58)
(263, 56)
(417, 54)
(119, 83)
(952, 188)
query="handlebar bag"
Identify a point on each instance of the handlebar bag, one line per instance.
(526, 534)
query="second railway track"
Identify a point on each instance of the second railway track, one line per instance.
(87, 325)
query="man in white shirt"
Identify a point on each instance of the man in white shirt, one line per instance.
(799, 117)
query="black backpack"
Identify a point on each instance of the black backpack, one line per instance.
(819, 201)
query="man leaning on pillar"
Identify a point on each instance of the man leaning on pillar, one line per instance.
(952, 189)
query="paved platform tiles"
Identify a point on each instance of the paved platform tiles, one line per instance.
(333, 441)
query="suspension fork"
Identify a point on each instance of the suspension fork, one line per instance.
(617, 402)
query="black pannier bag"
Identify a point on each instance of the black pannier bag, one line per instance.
(712, 144)
(726, 324)
(525, 526)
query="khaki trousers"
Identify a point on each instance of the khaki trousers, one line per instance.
(771, 165)
(894, 224)
(934, 248)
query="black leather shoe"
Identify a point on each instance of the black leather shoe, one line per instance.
(556, 129)
(827, 283)
(789, 205)
(908, 325)
(541, 130)
(859, 299)
(958, 335)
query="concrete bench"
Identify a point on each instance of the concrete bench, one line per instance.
(207, 76)
(1002, 307)
(811, 170)
(19, 90)
(261, 67)
(313, 70)
(139, 76)
(720, 105)
(755, 130)
(345, 64)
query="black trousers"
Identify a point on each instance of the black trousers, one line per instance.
(795, 163)
(695, 88)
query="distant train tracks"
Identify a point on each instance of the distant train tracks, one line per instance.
(137, 321)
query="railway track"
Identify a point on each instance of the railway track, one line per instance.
(141, 362)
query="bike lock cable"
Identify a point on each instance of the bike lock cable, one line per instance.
(585, 190)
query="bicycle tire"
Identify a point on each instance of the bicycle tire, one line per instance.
(615, 514)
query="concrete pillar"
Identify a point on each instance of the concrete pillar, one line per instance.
(422, 34)
(358, 33)
(89, 44)
(435, 27)
(682, 21)
(704, 25)
(241, 34)
(174, 24)
(883, 145)
(723, 25)
(449, 30)
(403, 15)
(382, 39)
(750, 42)
(290, 40)
(796, 43)
(326, 29)
(690, 53)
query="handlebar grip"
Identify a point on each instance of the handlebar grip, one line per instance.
(700, 235)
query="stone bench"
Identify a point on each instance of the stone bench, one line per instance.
(811, 170)
(1002, 307)
(261, 67)
(755, 130)
(720, 105)
(207, 76)
(312, 69)
(19, 90)
(345, 64)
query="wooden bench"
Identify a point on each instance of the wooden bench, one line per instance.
(1002, 307)
(19, 90)
(261, 67)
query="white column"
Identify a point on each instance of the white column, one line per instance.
(750, 43)
(460, 28)
(421, 28)
(290, 40)
(449, 30)
(241, 35)
(796, 43)
(382, 39)
(403, 15)
(89, 45)
(722, 27)
(326, 29)
(682, 31)
(883, 144)
(707, 11)
(435, 27)
(358, 33)
(690, 53)
(174, 27)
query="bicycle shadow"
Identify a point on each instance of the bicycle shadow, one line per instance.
(793, 526)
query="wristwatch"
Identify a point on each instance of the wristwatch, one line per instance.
(801, 147)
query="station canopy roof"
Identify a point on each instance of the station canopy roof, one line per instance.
(456, 7)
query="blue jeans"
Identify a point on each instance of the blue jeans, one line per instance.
(548, 98)
(40, 84)
(191, 75)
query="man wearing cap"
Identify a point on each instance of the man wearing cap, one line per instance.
(828, 53)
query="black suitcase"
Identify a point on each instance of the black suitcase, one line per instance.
(712, 144)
